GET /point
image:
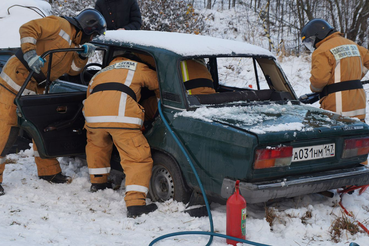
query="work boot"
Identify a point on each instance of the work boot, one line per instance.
(197, 212)
(103, 186)
(134, 211)
(2, 192)
(58, 178)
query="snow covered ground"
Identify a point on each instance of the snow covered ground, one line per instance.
(35, 212)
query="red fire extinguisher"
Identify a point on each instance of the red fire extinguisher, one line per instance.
(236, 216)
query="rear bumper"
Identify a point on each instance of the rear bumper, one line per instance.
(297, 186)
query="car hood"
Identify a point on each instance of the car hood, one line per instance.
(275, 123)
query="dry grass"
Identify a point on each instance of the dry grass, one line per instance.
(10, 161)
(341, 225)
(366, 208)
(308, 215)
(270, 215)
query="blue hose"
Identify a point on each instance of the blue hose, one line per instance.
(211, 233)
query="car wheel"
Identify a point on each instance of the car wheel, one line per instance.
(166, 181)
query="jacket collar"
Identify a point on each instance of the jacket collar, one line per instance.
(333, 35)
(77, 37)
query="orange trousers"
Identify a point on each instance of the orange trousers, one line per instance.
(135, 155)
(8, 119)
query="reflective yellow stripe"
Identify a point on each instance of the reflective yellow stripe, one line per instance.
(129, 78)
(337, 79)
(184, 68)
(316, 89)
(102, 170)
(113, 119)
(354, 112)
(14, 85)
(65, 36)
(122, 104)
(364, 70)
(138, 188)
(185, 75)
(123, 96)
(28, 40)
(75, 68)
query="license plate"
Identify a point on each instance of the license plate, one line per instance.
(313, 152)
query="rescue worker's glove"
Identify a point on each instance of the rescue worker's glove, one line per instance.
(310, 98)
(35, 62)
(89, 50)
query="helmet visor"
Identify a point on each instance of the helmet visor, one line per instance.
(309, 42)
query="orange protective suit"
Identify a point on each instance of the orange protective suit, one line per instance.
(114, 117)
(191, 70)
(194, 69)
(44, 34)
(337, 59)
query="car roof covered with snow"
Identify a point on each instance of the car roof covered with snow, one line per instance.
(182, 44)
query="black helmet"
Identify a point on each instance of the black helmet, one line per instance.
(91, 22)
(315, 31)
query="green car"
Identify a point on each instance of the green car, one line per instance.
(253, 129)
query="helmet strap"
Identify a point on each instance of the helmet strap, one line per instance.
(317, 40)
(85, 38)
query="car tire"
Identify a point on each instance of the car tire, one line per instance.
(166, 181)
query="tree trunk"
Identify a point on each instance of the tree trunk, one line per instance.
(208, 6)
(268, 26)
(359, 21)
(300, 13)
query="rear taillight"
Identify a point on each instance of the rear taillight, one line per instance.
(355, 147)
(273, 157)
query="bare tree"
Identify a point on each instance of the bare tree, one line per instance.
(359, 24)
(349, 17)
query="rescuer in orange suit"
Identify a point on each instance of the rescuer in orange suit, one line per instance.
(113, 116)
(338, 65)
(37, 37)
(197, 81)
(196, 77)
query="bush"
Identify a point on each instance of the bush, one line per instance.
(158, 15)
(171, 16)
(341, 225)
(70, 7)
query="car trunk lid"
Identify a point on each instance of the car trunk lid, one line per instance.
(276, 123)
(317, 136)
